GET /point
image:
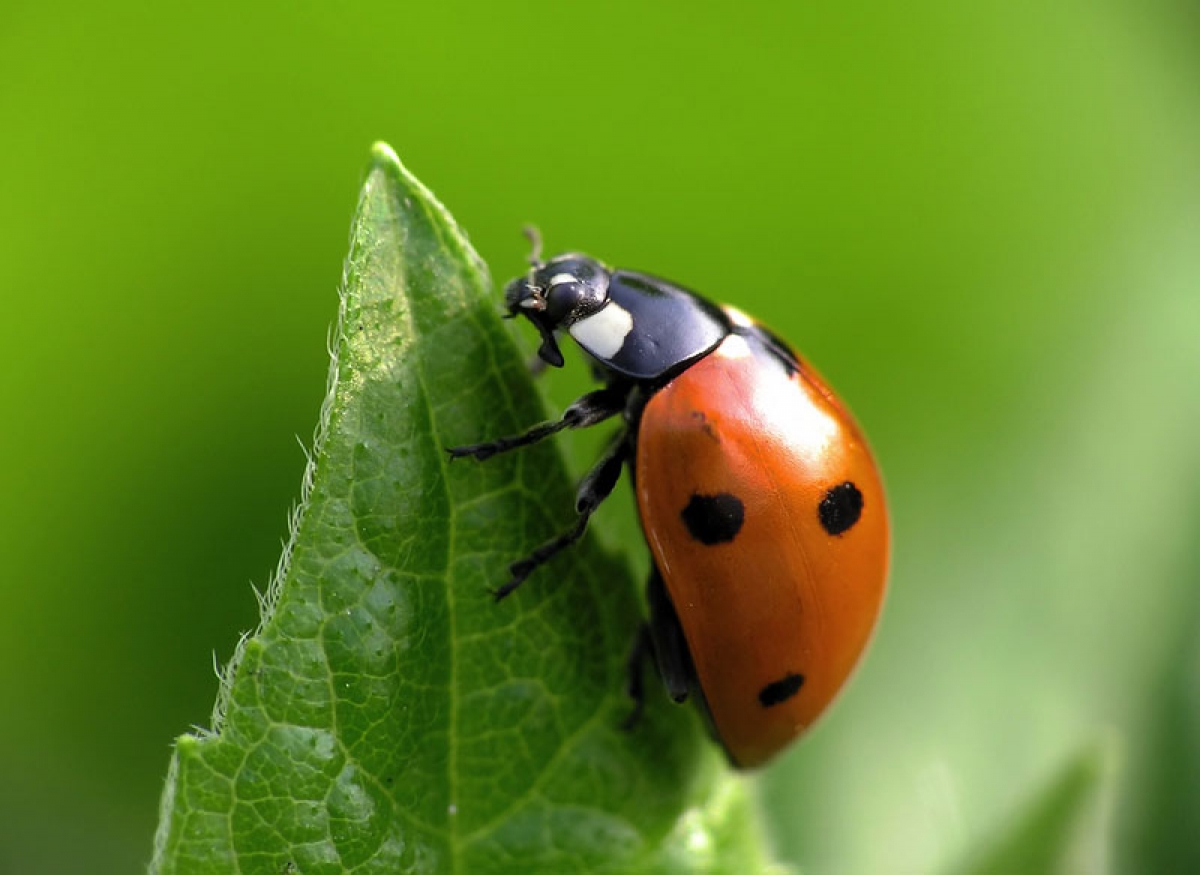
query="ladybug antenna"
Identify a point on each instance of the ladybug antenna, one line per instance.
(529, 295)
(534, 236)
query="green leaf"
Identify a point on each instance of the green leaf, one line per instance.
(1061, 832)
(387, 716)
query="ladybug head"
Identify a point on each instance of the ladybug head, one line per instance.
(555, 295)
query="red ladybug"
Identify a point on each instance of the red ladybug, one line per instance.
(758, 496)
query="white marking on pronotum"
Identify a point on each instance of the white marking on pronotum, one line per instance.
(604, 332)
(563, 278)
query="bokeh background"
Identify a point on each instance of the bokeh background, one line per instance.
(981, 221)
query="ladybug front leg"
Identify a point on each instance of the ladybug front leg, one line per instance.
(596, 486)
(592, 408)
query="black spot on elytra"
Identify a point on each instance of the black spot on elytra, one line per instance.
(706, 425)
(840, 508)
(714, 519)
(781, 690)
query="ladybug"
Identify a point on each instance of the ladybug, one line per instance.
(760, 501)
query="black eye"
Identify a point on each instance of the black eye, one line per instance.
(562, 298)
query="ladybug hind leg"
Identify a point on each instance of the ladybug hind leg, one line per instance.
(596, 486)
(660, 639)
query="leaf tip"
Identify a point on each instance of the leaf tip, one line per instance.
(384, 157)
(187, 744)
(387, 173)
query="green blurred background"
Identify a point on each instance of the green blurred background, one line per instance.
(981, 221)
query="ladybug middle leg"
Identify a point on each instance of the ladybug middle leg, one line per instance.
(596, 486)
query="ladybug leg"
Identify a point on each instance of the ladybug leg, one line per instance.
(670, 647)
(592, 408)
(596, 486)
(661, 639)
